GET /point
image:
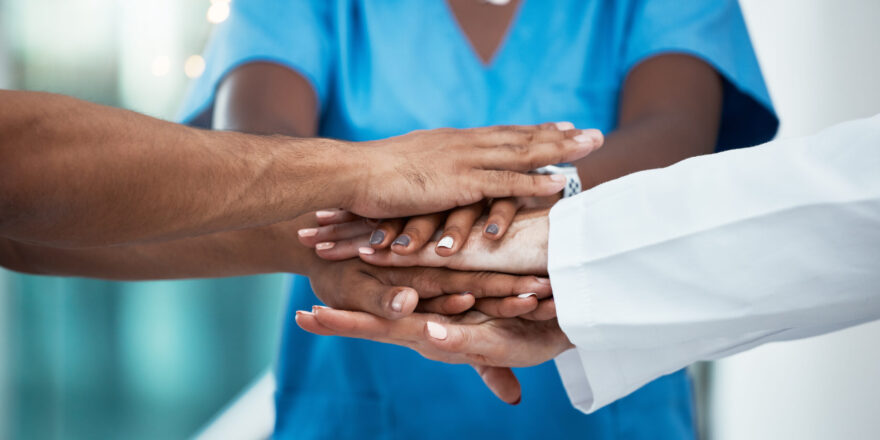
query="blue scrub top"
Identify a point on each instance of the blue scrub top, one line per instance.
(382, 68)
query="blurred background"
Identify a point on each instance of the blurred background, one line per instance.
(92, 359)
(86, 359)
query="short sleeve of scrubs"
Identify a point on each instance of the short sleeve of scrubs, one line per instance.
(296, 34)
(715, 31)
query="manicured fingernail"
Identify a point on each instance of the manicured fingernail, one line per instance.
(377, 237)
(492, 229)
(542, 280)
(464, 293)
(446, 242)
(436, 331)
(526, 295)
(309, 232)
(324, 246)
(399, 299)
(366, 250)
(562, 126)
(584, 139)
(324, 214)
(557, 177)
(403, 240)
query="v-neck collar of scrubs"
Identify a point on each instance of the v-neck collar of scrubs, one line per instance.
(464, 41)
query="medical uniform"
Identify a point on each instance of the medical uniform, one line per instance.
(716, 255)
(382, 68)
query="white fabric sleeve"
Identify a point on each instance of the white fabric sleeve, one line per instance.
(716, 255)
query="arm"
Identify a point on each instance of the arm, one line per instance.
(670, 109)
(79, 174)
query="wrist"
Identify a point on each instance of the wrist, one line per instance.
(335, 172)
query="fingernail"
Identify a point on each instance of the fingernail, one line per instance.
(403, 240)
(562, 126)
(324, 214)
(325, 246)
(557, 177)
(492, 229)
(584, 139)
(446, 242)
(309, 232)
(464, 293)
(436, 331)
(399, 299)
(526, 295)
(303, 312)
(377, 237)
(366, 250)
(543, 280)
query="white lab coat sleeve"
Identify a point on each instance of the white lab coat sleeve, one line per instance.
(716, 255)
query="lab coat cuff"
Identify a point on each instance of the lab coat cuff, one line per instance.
(590, 379)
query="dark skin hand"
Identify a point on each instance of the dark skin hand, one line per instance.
(77, 174)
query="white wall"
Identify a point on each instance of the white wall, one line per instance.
(821, 59)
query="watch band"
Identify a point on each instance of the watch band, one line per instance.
(572, 180)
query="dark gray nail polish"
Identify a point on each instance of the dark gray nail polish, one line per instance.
(377, 237)
(403, 240)
(492, 229)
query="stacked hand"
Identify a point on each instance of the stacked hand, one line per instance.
(472, 291)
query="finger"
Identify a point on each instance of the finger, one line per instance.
(509, 307)
(521, 134)
(334, 216)
(418, 231)
(451, 304)
(334, 232)
(306, 321)
(500, 215)
(523, 156)
(479, 342)
(431, 282)
(368, 326)
(342, 250)
(545, 311)
(502, 382)
(457, 228)
(385, 232)
(374, 297)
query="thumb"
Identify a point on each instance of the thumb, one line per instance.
(374, 297)
(502, 382)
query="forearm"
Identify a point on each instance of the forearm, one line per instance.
(267, 249)
(656, 141)
(74, 173)
(670, 110)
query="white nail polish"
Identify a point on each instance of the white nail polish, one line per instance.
(366, 250)
(526, 295)
(446, 242)
(563, 126)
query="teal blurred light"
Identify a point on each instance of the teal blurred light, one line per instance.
(91, 359)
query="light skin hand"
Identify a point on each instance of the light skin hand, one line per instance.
(491, 345)
(523, 251)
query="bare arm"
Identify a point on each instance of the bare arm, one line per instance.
(670, 109)
(75, 174)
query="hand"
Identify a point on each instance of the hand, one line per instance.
(522, 251)
(491, 345)
(394, 293)
(435, 170)
(407, 236)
